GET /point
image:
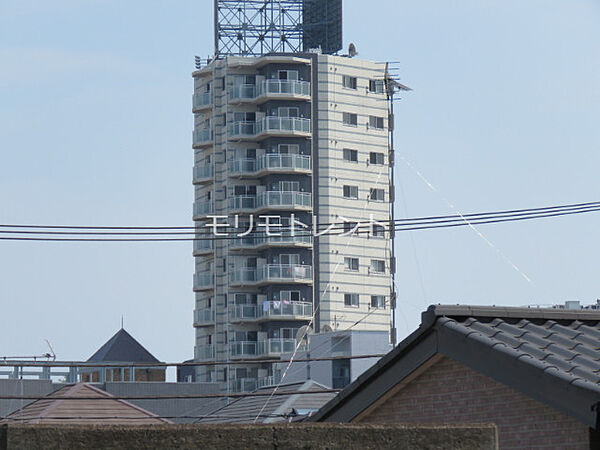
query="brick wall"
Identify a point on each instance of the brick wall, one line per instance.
(449, 392)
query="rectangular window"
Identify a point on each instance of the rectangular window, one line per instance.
(293, 149)
(377, 301)
(376, 122)
(287, 75)
(349, 227)
(350, 119)
(378, 265)
(351, 299)
(350, 155)
(349, 82)
(290, 296)
(288, 111)
(351, 192)
(351, 264)
(289, 186)
(287, 260)
(376, 158)
(377, 195)
(376, 86)
(378, 231)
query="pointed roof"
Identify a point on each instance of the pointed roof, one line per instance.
(83, 403)
(122, 347)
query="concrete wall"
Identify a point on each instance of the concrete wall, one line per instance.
(332, 436)
(451, 392)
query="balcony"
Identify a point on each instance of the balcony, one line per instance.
(271, 163)
(284, 273)
(201, 101)
(242, 130)
(261, 240)
(268, 381)
(204, 317)
(284, 200)
(273, 310)
(242, 276)
(243, 385)
(202, 209)
(269, 348)
(270, 90)
(243, 349)
(203, 281)
(203, 246)
(242, 203)
(204, 352)
(203, 137)
(285, 126)
(202, 174)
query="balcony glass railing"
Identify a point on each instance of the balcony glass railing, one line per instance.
(268, 381)
(206, 315)
(267, 347)
(201, 100)
(283, 87)
(283, 198)
(203, 245)
(281, 161)
(281, 308)
(291, 272)
(204, 352)
(242, 202)
(243, 385)
(242, 312)
(245, 275)
(284, 237)
(243, 348)
(241, 166)
(203, 136)
(203, 280)
(202, 172)
(203, 208)
(243, 92)
(242, 129)
(283, 124)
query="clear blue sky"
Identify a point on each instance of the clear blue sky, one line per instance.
(95, 128)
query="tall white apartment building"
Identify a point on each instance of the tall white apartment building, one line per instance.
(285, 138)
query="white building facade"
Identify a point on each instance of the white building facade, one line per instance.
(288, 139)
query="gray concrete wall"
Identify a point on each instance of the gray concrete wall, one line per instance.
(296, 436)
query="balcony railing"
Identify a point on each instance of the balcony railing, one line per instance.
(201, 100)
(272, 309)
(288, 199)
(283, 272)
(241, 166)
(265, 348)
(203, 245)
(283, 124)
(204, 316)
(203, 136)
(202, 173)
(275, 162)
(284, 238)
(271, 380)
(243, 92)
(242, 202)
(243, 276)
(204, 352)
(243, 349)
(203, 208)
(241, 129)
(243, 385)
(283, 88)
(203, 281)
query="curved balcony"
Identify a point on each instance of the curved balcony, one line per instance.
(203, 246)
(273, 310)
(203, 281)
(201, 101)
(204, 317)
(285, 200)
(204, 352)
(256, 241)
(202, 209)
(242, 203)
(270, 90)
(271, 163)
(284, 273)
(202, 174)
(283, 126)
(202, 137)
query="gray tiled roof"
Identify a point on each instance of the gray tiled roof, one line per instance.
(122, 347)
(276, 408)
(552, 355)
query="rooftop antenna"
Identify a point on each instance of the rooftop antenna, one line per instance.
(121, 321)
(51, 354)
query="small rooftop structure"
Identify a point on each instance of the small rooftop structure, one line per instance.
(83, 403)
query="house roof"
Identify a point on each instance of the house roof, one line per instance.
(276, 408)
(122, 347)
(551, 355)
(94, 407)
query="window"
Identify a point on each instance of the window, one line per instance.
(377, 301)
(288, 111)
(289, 186)
(349, 82)
(351, 264)
(287, 74)
(377, 195)
(287, 260)
(378, 231)
(376, 158)
(350, 119)
(350, 155)
(244, 117)
(351, 299)
(376, 122)
(349, 227)
(378, 265)
(293, 149)
(376, 86)
(351, 191)
(290, 296)
(244, 190)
